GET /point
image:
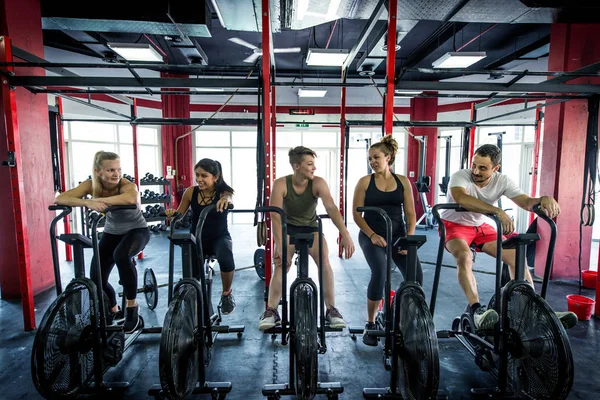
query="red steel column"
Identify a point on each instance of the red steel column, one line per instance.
(536, 157)
(388, 122)
(269, 147)
(136, 175)
(274, 134)
(62, 154)
(565, 131)
(342, 161)
(8, 109)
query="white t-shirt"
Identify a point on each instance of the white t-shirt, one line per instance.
(500, 185)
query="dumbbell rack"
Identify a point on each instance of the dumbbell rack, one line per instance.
(166, 190)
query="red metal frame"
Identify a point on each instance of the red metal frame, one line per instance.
(136, 174)
(390, 67)
(62, 155)
(597, 307)
(9, 108)
(269, 148)
(274, 134)
(536, 157)
(342, 161)
(472, 136)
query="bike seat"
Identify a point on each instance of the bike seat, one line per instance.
(183, 238)
(411, 240)
(210, 258)
(74, 238)
(299, 239)
(524, 238)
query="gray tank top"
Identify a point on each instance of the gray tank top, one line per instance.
(122, 221)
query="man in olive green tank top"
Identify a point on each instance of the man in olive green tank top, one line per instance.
(298, 195)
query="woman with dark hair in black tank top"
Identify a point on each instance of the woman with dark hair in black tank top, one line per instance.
(392, 193)
(216, 240)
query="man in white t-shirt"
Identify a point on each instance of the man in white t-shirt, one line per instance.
(478, 189)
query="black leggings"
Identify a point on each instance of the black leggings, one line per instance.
(119, 249)
(375, 257)
(220, 247)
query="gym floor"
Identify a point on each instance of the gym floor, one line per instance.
(256, 359)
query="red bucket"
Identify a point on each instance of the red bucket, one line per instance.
(589, 279)
(382, 303)
(582, 306)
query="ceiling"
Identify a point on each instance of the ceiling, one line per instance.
(515, 34)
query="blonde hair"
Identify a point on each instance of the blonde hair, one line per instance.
(99, 158)
(388, 146)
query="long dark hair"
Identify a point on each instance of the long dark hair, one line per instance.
(213, 167)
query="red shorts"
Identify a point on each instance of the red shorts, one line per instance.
(477, 235)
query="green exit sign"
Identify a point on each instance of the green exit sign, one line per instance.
(301, 125)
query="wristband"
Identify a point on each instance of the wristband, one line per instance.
(371, 235)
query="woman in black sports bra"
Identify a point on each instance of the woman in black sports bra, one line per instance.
(392, 193)
(216, 240)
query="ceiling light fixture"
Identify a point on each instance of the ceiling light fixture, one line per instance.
(311, 93)
(326, 57)
(402, 93)
(366, 72)
(136, 51)
(455, 59)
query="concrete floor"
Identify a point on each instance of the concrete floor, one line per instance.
(256, 359)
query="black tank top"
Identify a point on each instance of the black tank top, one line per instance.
(216, 223)
(391, 202)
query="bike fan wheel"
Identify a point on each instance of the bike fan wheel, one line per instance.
(178, 348)
(540, 363)
(62, 359)
(305, 327)
(418, 356)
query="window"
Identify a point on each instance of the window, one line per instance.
(243, 181)
(244, 139)
(455, 140)
(212, 138)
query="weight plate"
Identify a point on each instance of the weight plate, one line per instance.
(259, 263)
(150, 288)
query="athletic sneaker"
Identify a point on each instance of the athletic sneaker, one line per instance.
(335, 319)
(269, 319)
(368, 339)
(132, 319)
(227, 303)
(568, 319)
(485, 318)
(112, 317)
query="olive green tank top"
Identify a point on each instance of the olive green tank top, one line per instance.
(300, 209)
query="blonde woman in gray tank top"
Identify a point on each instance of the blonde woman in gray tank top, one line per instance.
(125, 232)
